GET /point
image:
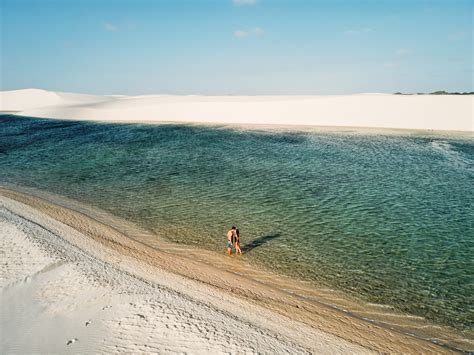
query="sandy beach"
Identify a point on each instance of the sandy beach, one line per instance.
(70, 283)
(109, 300)
(419, 112)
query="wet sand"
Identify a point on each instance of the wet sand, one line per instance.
(73, 272)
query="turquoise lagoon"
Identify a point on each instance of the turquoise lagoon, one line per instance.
(385, 216)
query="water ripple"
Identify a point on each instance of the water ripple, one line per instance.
(385, 217)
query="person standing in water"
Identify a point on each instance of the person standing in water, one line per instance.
(237, 242)
(233, 237)
(230, 239)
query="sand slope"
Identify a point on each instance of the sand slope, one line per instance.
(64, 292)
(428, 112)
(21, 100)
(62, 268)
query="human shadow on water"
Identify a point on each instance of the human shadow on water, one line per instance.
(259, 242)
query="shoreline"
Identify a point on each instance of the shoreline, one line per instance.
(430, 112)
(271, 128)
(279, 295)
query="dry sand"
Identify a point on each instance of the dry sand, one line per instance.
(67, 276)
(425, 112)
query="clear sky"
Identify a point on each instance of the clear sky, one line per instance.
(237, 46)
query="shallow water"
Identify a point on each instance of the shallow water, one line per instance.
(386, 217)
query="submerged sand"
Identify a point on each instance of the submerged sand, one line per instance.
(66, 276)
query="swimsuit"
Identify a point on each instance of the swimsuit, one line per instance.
(229, 244)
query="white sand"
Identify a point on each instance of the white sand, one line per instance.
(426, 112)
(55, 280)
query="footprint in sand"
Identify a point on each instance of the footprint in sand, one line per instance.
(72, 341)
(106, 307)
(88, 323)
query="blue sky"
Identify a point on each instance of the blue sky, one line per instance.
(237, 46)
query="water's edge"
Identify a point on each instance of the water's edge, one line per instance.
(383, 216)
(374, 314)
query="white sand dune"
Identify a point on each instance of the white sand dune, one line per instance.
(21, 100)
(425, 112)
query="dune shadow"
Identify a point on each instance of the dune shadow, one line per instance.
(259, 242)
